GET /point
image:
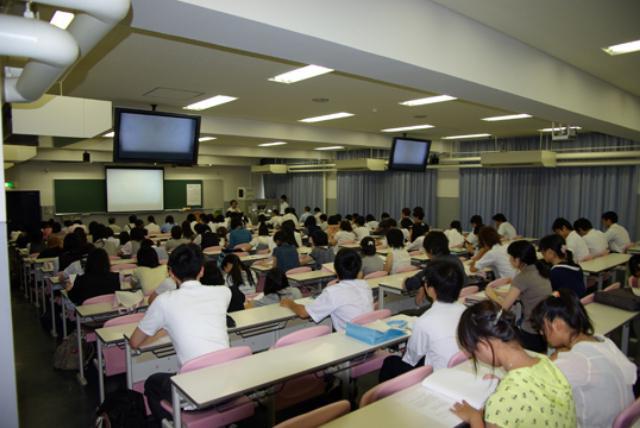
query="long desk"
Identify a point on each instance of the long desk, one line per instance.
(602, 264)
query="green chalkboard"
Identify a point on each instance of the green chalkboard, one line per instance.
(175, 193)
(79, 196)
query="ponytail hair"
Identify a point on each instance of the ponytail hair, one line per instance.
(526, 253)
(567, 307)
(558, 245)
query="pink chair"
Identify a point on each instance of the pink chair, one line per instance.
(458, 358)
(467, 291)
(377, 274)
(319, 416)
(114, 258)
(301, 269)
(214, 249)
(589, 298)
(626, 247)
(243, 247)
(113, 357)
(304, 387)
(333, 282)
(394, 385)
(374, 362)
(347, 242)
(409, 268)
(90, 337)
(499, 282)
(242, 254)
(633, 282)
(122, 266)
(628, 416)
(225, 414)
(614, 286)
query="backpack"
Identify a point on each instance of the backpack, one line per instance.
(121, 409)
(66, 354)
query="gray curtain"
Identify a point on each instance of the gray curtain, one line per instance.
(531, 198)
(375, 193)
(302, 189)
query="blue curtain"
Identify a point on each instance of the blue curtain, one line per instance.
(531, 198)
(374, 193)
(302, 189)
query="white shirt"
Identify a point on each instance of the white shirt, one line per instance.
(401, 258)
(472, 239)
(455, 238)
(343, 301)
(152, 229)
(292, 217)
(617, 237)
(596, 242)
(602, 379)
(507, 231)
(275, 221)
(343, 236)
(435, 335)
(578, 247)
(416, 245)
(195, 316)
(497, 260)
(373, 225)
(305, 215)
(283, 206)
(361, 232)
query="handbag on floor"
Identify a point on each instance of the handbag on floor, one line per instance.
(66, 354)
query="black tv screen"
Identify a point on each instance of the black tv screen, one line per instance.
(148, 136)
(409, 154)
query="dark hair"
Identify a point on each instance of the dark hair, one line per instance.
(123, 237)
(187, 232)
(112, 220)
(319, 238)
(137, 234)
(333, 220)
(406, 223)
(499, 217)
(56, 227)
(634, 264)
(236, 269)
(347, 264)
(288, 229)
(133, 218)
(395, 238)
(323, 217)
(385, 215)
(555, 243)
(279, 236)
(99, 232)
(368, 246)
(263, 229)
(212, 275)
(349, 217)
(283, 197)
(317, 210)
(612, 216)
(418, 212)
(482, 321)
(147, 256)
(236, 222)
(310, 221)
(526, 253)
(186, 261)
(346, 226)
(139, 223)
(446, 278)
(476, 220)
(108, 232)
(488, 237)
(455, 224)
(191, 217)
(360, 221)
(98, 262)
(370, 217)
(560, 223)
(582, 224)
(169, 219)
(436, 243)
(406, 211)
(567, 307)
(222, 232)
(201, 229)
(176, 232)
(275, 281)
(151, 219)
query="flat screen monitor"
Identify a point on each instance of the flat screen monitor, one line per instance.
(135, 189)
(409, 154)
(148, 136)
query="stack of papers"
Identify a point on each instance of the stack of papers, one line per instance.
(455, 385)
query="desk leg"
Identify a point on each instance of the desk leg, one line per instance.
(270, 407)
(175, 398)
(37, 291)
(128, 364)
(100, 371)
(344, 375)
(64, 318)
(624, 346)
(54, 333)
(81, 378)
(600, 281)
(44, 297)
(380, 298)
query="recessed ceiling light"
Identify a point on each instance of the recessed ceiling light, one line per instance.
(302, 73)
(109, 134)
(208, 138)
(330, 148)
(428, 100)
(623, 48)
(210, 102)
(331, 116)
(407, 128)
(558, 129)
(507, 117)
(62, 19)
(462, 137)
(275, 143)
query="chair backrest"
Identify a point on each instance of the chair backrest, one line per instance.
(301, 269)
(122, 266)
(498, 282)
(264, 251)
(302, 335)
(104, 298)
(467, 291)
(589, 298)
(124, 319)
(217, 357)
(241, 254)
(243, 247)
(319, 416)
(114, 257)
(614, 286)
(396, 384)
(333, 282)
(628, 416)
(408, 268)
(376, 274)
(212, 249)
(371, 316)
(458, 357)
(415, 253)
(633, 282)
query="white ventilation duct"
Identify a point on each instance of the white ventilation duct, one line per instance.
(52, 50)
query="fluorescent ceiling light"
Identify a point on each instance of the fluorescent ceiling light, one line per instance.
(275, 143)
(62, 19)
(109, 134)
(507, 117)
(428, 100)
(326, 117)
(623, 48)
(558, 129)
(210, 102)
(462, 137)
(330, 148)
(302, 73)
(407, 128)
(201, 139)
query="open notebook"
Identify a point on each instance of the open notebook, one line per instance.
(455, 385)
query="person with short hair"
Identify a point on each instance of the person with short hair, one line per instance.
(419, 227)
(596, 240)
(306, 214)
(617, 236)
(564, 273)
(233, 207)
(149, 273)
(575, 243)
(152, 227)
(505, 229)
(454, 234)
(344, 234)
(276, 288)
(169, 222)
(495, 256)
(176, 239)
(238, 234)
(130, 249)
(397, 257)
(317, 212)
(472, 237)
(284, 204)
(113, 226)
(132, 223)
(322, 224)
(372, 223)
(349, 298)
(285, 255)
(361, 231)
(321, 253)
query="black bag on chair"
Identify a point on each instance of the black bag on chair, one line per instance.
(622, 298)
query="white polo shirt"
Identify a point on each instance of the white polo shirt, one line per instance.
(194, 315)
(507, 231)
(497, 260)
(617, 237)
(455, 238)
(435, 335)
(578, 247)
(343, 301)
(596, 242)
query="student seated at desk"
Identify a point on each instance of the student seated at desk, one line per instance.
(289, 228)
(505, 229)
(201, 229)
(433, 341)
(151, 226)
(75, 247)
(472, 237)
(169, 222)
(208, 238)
(132, 223)
(397, 257)
(361, 230)
(575, 243)
(96, 280)
(371, 261)
(495, 256)
(101, 240)
(533, 393)
(113, 226)
(237, 275)
(238, 234)
(617, 236)
(320, 253)
(530, 286)
(130, 249)
(149, 273)
(405, 226)
(343, 301)
(596, 240)
(54, 248)
(344, 235)
(276, 288)
(322, 222)
(419, 227)
(454, 235)
(634, 270)
(263, 241)
(187, 233)
(176, 239)
(290, 215)
(564, 272)
(285, 255)
(311, 225)
(601, 376)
